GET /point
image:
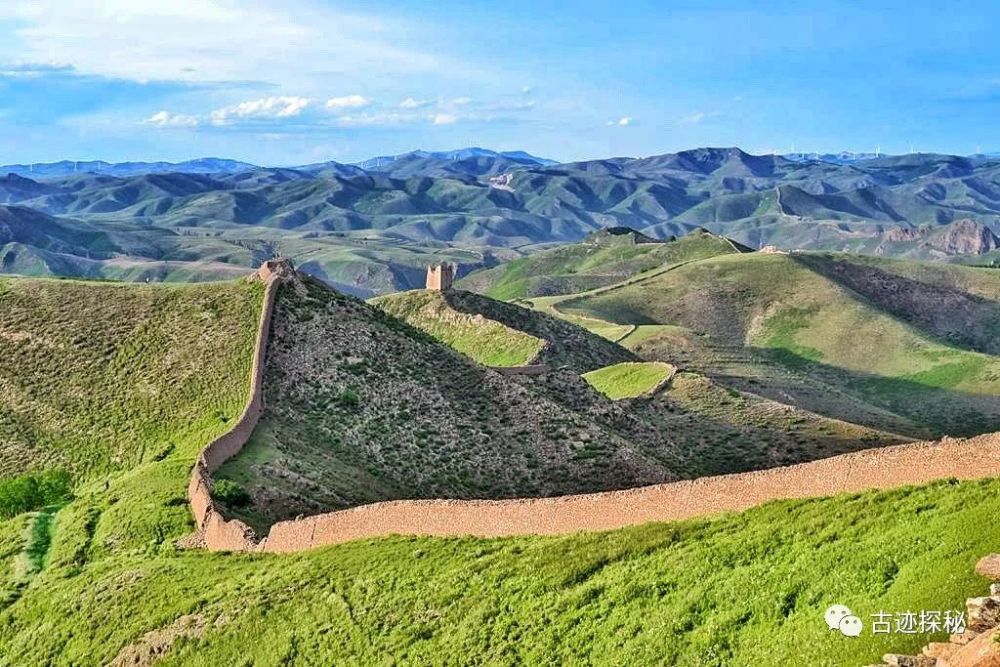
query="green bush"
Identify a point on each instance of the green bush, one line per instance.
(349, 398)
(33, 491)
(230, 493)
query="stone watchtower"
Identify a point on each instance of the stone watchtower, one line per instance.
(440, 277)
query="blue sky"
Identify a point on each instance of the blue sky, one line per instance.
(302, 81)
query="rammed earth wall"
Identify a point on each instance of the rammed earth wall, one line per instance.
(219, 533)
(884, 468)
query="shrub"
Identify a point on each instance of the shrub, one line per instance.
(33, 491)
(349, 398)
(230, 493)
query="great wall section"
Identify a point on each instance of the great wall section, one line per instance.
(884, 468)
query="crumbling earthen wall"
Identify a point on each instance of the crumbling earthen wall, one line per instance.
(883, 468)
(219, 533)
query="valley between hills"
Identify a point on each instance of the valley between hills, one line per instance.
(594, 359)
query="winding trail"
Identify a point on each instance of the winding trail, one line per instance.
(882, 468)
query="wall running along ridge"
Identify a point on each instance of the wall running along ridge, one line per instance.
(881, 468)
(218, 533)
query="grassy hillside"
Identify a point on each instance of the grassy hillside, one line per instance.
(487, 341)
(870, 341)
(362, 407)
(745, 589)
(99, 578)
(100, 378)
(496, 333)
(107, 394)
(603, 258)
(629, 379)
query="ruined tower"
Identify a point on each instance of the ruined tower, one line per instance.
(440, 277)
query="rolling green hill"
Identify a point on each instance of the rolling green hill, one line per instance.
(100, 576)
(487, 341)
(496, 333)
(899, 346)
(603, 258)
(370, 232)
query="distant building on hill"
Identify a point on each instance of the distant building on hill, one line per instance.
(440, 277)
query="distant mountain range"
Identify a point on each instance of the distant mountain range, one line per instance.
(207, 165)
(370, 229)
(212, 165)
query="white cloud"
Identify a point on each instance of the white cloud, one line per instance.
(167, 119)
(378, 119)
(692, 119)
(411, 103)
(266, 108)
(347, 102)
(223, 40)
(443, 118)
(461, 101)
(623, 121)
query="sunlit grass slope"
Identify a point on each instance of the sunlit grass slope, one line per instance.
(119, 386)
(746, 589)
(487, 341)
(601, 259)
(99, 378)
(921, 345)
(628, 379)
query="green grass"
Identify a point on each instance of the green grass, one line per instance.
(595, 262)
(487, 341)
(98, 378)
(745, 589)
(32, 491)
(907, 360)
(121, 385)
(80, 583)
(629, 379)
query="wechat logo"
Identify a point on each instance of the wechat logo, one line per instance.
(839, 617)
